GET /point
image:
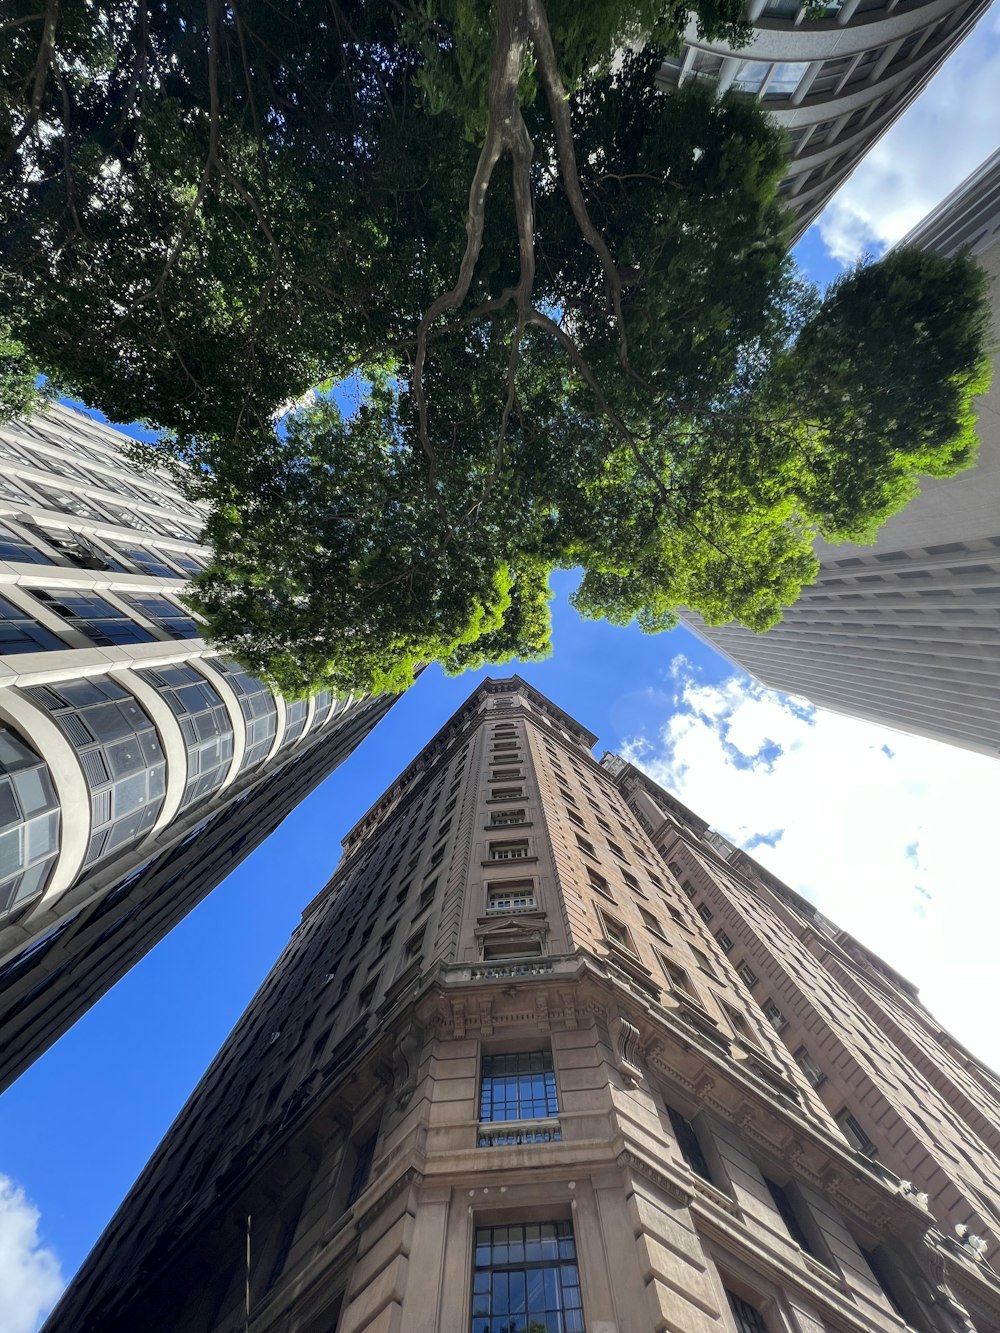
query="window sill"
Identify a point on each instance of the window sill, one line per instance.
(511, 861)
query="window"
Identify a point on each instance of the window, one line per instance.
(618, 851)
(149, 560)
(508, 851)
(678, 978)
(617, 933)
(650, 922)
(285, 1243)
(517, 896)
(747, 975)
(774, 1015)
(687, 1141)
(723, 940)
(259, 710)
(502, 774)
(29, 823)
(91, 615)
(584, 845)
(854, 1134)
(507, 794)
(413, 947)
(507, 817)
(362, 1169)
(525, 1279)
(689, 889)
(20, 632)
(598, 883)
(321, 709)
(814, 1075)
(705, 912)
(18, 549)
(120, 754)
(702, 961)
(204, 724)
(165, 615)
(632, 882)
(517, 1087)
(296, 712)
(786, 1211)
(748, 1319)
(737, 1022)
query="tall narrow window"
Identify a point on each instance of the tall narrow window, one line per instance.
(29, 823)
(774, 1015)
(786, 1211)
(747, 1317)
(809, 1067)
(854, 1133)
(525, 1279)
(362, 1169)
(687, 1141)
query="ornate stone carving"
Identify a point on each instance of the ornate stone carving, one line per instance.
(625, 1036)
(458, 1017)
(405, 1059)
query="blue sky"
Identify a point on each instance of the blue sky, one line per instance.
(879, 829)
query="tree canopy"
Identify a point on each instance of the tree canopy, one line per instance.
(565, 291)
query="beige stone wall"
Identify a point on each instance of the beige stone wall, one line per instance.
(375, 1024)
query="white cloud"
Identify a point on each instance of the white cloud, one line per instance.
(936, 143)
(890, 835)
(30, 1280)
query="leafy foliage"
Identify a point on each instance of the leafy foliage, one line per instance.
(569, 292)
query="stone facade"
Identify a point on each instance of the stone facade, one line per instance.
(506, 1078)
(137, 767)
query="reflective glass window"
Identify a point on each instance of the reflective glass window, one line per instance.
(525, 1279)
(21, 633)
(164, 613)
(204, 724)
(295, 720)
(19, 549)
(518, 1087)
(148, 559)
(260, 712)
(120, 754)
(29, 823)
(101, 622)
(321, 711)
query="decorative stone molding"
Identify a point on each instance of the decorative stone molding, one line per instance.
(631, 1161)
(405, 1059)
(411, 1176)
(625, 1037)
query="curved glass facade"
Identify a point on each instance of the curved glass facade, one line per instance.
(120, 754)
(29, 823)
(204, 723)
(258, 707)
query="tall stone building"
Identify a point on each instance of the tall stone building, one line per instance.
(834, 75)
(904, 631)
(137, 767)
(547, 1055)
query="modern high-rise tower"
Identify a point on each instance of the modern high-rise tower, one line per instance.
(905, 631)
(547, 1055)
(137, 767)
(835, 75)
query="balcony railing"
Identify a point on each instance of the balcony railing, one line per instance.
(518, 1133)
